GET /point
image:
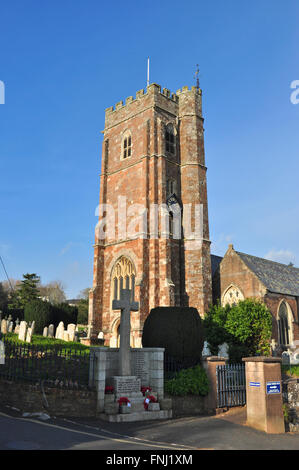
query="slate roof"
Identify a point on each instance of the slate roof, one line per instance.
(215, 261)
(276, 277)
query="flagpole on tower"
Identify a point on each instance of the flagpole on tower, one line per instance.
(148, 66)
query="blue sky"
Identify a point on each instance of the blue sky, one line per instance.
(64, 62)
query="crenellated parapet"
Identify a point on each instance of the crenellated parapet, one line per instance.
(152, 90)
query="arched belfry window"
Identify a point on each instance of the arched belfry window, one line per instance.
(126, 145)
(170, 139)
(123, 277)
(284, 321)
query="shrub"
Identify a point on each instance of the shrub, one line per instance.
(245, 327)
(215, 332)
(40, 312)
(64, 312)
(250, 322)
(192, 381)
(177, 329)
(82, 318)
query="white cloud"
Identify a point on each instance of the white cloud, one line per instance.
(281, 256)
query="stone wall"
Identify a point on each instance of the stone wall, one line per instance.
(147, 364)
(191, 405)
(56, 402)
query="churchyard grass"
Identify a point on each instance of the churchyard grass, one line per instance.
(55, 361)
(46, 342)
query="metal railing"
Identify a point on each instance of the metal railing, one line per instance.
(172, 366)
(231, 385)
(59, 366)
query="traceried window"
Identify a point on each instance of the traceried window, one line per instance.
(170, 139)
(127, 146)
(123, 277)
(283, 325)
(232, 296)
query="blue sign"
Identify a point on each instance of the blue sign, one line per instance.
(273, 387)
(254, 384)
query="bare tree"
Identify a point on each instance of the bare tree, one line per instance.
(53, 292)
(84, 294)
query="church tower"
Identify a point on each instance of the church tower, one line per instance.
(153, 231)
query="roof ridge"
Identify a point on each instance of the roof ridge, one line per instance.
(268, 260)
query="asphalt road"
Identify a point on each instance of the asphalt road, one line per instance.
(177, 435)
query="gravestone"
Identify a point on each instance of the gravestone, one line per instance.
(51, 331)
(23, 331)
(71, 329)
(4, 326)
(206, 350)
(60, 331)
(29, 335)
(223, 350)
(33, 327)
(45, 332)
(65, 336)
(2, 353)
(10, 327)
(17, 329)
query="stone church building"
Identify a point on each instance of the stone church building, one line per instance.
(238, 276)
(153, 230)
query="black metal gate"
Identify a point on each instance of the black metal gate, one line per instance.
(231, 385)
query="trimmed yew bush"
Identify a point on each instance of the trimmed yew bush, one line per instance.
(177, 329)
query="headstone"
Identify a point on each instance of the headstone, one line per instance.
(10, 327)
(273, 348)
(206, 350)
(101, 335)
(33, 327)
(51, 331)
(60, 331)
(45, 332)
(4, 326)
(17, 327)
(23, 331)
(65, 336)
(29, 335)
(71, 329)
(2, 353)
(223, 350)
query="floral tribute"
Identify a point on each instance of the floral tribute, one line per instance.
(149, 399)
(109, 389)
(144, 390)
(124, 401)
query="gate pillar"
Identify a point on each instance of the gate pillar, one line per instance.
(210, 363)
(264, 394)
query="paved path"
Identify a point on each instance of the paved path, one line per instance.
(222, 432)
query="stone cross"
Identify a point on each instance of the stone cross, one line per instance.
(125, 305)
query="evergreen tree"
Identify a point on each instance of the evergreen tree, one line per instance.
(3, 297)
(26, 291)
